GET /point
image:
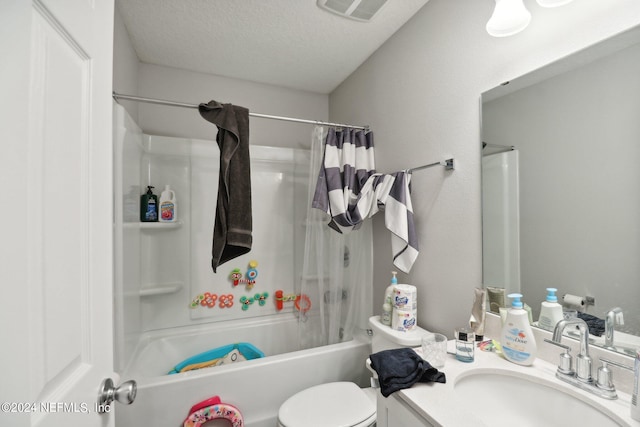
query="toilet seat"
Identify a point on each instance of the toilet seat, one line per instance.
(327, 405)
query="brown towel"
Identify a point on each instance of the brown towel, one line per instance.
(232, 229)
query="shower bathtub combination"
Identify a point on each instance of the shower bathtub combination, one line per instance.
(162, 270)
(256, 387)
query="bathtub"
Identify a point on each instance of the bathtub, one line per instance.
(256, 387)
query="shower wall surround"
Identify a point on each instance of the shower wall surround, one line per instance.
(164, 269)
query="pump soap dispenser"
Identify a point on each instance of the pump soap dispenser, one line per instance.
(518, 342)
(550, 311)
(149, 206)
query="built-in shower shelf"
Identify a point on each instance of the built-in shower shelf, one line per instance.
(161, 289)
(153, 225)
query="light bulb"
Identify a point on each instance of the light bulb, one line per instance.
(553, 3)
(509, 17)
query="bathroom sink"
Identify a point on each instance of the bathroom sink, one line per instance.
(507, 398)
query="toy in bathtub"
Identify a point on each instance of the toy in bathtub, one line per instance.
(261, 299)
(208, 299)
(301, 302)
(251, 274)
(218, 356)
(213, 409)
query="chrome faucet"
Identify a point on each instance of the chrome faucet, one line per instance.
(581, 377)
(613, 316)
(583, 361)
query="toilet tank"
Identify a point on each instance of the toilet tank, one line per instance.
(385, 338)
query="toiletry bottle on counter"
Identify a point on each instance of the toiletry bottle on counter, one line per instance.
(149, 206)
(168, 205)
(518, 342)
(387, 309)
(635, 404)
(550, 311)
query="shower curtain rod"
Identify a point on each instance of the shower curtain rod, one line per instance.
(118, 96)
(448, 163)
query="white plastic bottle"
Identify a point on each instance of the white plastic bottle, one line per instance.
(518, 342)
(387, 308)
(168, 206)
(550, 311)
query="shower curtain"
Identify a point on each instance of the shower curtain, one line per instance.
(337, 270)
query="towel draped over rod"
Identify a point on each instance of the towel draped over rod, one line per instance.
(118, 96)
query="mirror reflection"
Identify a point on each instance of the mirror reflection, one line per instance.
(561, 185)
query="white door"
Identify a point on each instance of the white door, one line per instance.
(57, 261)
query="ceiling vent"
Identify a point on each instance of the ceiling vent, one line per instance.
(360, 10)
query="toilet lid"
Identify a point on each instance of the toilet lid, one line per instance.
(332, 404)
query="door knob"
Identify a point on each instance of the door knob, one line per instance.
(124, 393)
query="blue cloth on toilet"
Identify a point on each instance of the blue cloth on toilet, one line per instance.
(401, 368)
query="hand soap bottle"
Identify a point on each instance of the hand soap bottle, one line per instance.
(518, 342)
(387, 308)
(550, 311)
(149, 206)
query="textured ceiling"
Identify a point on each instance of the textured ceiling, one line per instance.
(290, 43)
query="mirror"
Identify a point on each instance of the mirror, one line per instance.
(561, 183)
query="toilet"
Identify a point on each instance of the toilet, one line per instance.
(344, 404)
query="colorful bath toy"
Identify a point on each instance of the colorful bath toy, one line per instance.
(251, 274)
(301, 302)
(246, 302)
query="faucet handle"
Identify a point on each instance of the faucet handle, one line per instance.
(605, 376)
(604, 379)
(564, 366)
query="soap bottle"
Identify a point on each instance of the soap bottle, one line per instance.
(387, 308)
(168, 205)
(518, 342)
(149, 206)
(550, 311)
(635, 405)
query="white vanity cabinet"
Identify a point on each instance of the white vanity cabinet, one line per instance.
(392, 411)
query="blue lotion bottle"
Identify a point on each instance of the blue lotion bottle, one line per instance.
(517, 340)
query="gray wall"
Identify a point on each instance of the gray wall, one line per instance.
(420, 92)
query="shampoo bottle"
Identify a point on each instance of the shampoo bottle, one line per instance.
(387, 308)
(518, 342)
(149, 206)
(168, 205)
(550, 311)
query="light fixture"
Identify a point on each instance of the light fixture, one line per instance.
(553, 3)
(509, 17)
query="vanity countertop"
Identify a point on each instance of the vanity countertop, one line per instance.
(440, 404)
